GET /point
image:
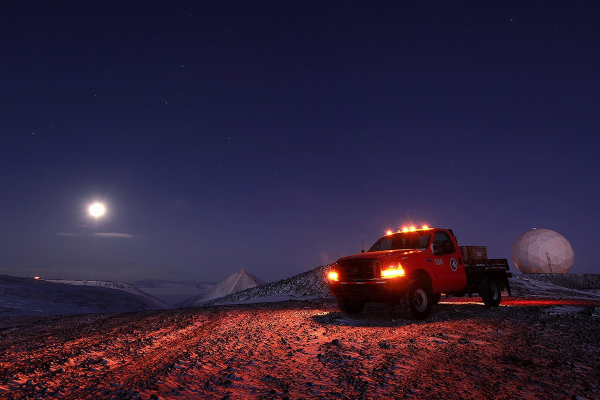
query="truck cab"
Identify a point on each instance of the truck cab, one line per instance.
(412, 267)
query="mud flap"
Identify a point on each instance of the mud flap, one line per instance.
(506, 285)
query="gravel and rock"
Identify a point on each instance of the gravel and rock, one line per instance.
(527, 348)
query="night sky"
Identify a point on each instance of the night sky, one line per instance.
(268, 136)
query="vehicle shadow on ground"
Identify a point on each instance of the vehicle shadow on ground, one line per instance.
(379, 315)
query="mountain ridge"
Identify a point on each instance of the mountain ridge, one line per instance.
(28, 296)
(238, 281)
(306, 285)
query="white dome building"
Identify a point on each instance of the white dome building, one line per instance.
(542, 251)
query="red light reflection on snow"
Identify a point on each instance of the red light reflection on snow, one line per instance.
(524, 302)
(551, 302)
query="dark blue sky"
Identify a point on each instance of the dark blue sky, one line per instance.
(268, 135)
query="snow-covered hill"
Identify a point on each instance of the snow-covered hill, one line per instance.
(307, 285)
(25, 296)
(236, 282)
(126, 287)
(172, 292)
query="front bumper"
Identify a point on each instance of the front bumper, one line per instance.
(373, 290)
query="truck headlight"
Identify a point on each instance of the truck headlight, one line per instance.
(392, 271)
(333, 276)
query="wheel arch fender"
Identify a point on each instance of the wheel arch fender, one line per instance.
(423, 276)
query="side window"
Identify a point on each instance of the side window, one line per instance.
(441, 240)
(438, 238)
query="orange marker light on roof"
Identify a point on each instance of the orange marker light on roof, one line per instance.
(412, 229)
(425, 227)
(405, 229)
(388, 232)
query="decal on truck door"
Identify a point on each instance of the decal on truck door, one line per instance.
(453, 264)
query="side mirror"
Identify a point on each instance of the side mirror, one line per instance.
(362, 251)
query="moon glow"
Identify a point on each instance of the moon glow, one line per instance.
(97, 210)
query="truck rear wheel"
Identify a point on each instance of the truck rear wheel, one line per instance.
(351, 306)
(489, 290)
(417, 302)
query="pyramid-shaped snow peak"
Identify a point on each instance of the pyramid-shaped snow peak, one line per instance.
(234, 283)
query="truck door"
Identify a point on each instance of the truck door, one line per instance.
(449, 272)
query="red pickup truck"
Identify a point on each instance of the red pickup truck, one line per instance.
(413, 267)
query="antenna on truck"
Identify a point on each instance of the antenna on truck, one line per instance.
(362, 239)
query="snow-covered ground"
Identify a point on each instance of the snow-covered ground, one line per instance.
(541, 343)
(308, 350)
(572, 281)
(25, 296)
(542, 286)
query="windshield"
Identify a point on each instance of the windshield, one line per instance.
(404, 240)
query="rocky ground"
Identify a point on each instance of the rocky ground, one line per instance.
(528, 348)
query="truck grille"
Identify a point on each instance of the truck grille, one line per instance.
(350, 270)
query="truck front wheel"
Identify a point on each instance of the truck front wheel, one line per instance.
(489, 290)
(417, 301)
(350, 306)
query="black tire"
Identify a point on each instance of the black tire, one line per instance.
(417, 300)
(490, 292)
(350, 306)
(435, 298)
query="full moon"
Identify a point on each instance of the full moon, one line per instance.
(97, 210)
